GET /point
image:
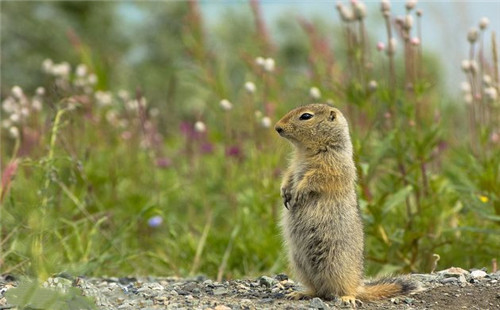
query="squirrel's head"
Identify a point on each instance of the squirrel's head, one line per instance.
(315, 128)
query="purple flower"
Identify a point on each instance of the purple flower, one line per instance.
(163, 162)
(155, 221)
(206, 148)
(233, 151)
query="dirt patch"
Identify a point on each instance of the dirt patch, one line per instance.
(449, 289)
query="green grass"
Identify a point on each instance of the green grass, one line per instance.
(86, 184)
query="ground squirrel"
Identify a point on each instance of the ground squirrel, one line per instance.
(322, 224)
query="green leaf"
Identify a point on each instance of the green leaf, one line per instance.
(396, 199)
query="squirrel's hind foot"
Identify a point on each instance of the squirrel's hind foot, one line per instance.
(299, 295)
(350, 300)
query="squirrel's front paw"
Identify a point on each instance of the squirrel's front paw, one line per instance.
(286, 194)
(299, 198)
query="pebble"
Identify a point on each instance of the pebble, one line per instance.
(317, 303)
(267, 281)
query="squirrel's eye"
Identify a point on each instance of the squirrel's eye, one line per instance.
(306, 116)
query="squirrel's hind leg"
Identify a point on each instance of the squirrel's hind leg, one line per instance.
(300, 295)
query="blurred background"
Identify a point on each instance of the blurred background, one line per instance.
(137, 136)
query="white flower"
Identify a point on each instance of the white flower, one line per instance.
(345, 13)
(269, 65)
(472, 35)
(391, 47)
(132, 105)
(17, 92)
(465, 65)
(47, 65)
(9, 105)
(36, 104)
(491, 93)
(372, 85)
(265, 122)
(40, 91)
(410, 4)
(314, 93)
(408, 22)
(62, 70)
(103, 98)
(465, 87)
(14, 132)
(92, 79)
(123, 95)
(487, 80)
(226, 104)
(199, 126)
(15, 118)
(359, 10)
(81, 70)
(154, 112)
(25, 112)
(260, 61)
(258, 114)
(250, 87)
(483, 23)
(385, 6)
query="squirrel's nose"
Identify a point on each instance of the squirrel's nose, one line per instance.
(278, 129)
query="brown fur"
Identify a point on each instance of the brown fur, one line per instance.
(322, 225)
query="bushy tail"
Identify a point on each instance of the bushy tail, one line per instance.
(386, 288)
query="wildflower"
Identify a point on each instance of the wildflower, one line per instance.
(207, 148)
(260, 61)
(17, 92)
(345, 13)
(40, 91)
(15, 117)
(269, 65)
(163, 162)
(92, 79)
(472, 35)
(483, 23)
(25, 112)
(372, 85)
(385, 6)
(132, 105)
(226, 104)
(250, 87)
(199, 126)
(314, 93)
(9, 105)
(62, 70)
(103, 98)
(491, 93)
(487, 80)
(47, 65)
(154, 112)
(258, 114)
(14, 132)
(233, 151)
(465, 86)
(391, 47)
(380, 46)
(123, 95)
(415, 41)
(155, 221)
(81, 70)
(408, 22)
(410, 4)
(359, 10)
(265, 122)
(495, 137)
(483, 199)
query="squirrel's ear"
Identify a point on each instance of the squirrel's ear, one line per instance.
(332, 115)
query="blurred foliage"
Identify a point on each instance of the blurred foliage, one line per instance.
(129, 162)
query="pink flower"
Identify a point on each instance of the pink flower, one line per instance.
(380, 46)
(415, 41)
(163, 162)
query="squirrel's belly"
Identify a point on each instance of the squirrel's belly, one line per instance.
(324, 247)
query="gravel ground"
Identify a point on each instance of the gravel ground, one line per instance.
(453, 288)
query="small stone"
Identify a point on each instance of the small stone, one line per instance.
(408, 300)
(281, 277)
(220, 291)
(317, 303)
(267, 281)
(476, 274)
(449, 280)
(395, 301)
(222, 307)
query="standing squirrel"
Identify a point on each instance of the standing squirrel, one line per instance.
(322, 224)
